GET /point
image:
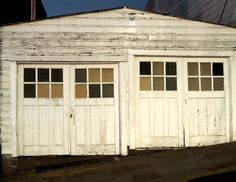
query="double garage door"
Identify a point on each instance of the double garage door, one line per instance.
(181, 102)
(68, 110)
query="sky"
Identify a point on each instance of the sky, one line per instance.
(60, 7)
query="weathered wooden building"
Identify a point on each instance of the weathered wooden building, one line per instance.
(100, 83)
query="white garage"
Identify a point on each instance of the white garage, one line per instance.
(110, 81)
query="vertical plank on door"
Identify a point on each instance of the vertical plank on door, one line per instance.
(59, 123)
(43, 125)
(95, 124)
(211, 118)
(173, 117)
(110, 125)
(220, 108)
(152, 128)
(80, 125)
(202, 121)
(51, 125)
(166, 117)
(36, 126)
(28, 125)
(193, 117)
(103, 124)
(159, 116)
(145, 116)
(87, 125)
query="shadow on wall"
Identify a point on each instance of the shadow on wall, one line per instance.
(0, 98)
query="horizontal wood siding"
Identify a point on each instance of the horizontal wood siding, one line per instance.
(102, 37)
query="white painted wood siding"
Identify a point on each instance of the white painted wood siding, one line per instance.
(103, 37)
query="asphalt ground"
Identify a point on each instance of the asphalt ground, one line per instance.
(212, 163)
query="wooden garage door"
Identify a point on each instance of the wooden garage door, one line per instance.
(95, 129)
(68, 110)
(158, 108)
(206, 101)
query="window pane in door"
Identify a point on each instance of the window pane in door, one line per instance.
(94, 91)
(158, 68)
(81, 75)
(94, 75)
(43, 75)
(145, 68)
(193, 69)
(107, 75)
(29, 75)
(219, 84)
(158, 83)
(57, 75)
(107, 90)
(193, 84)
(205, 69)
(81, 91)
(57, 91)
(218, 69)
(206, 84)
(170, 68)
(29, 90)
(43, 90)
(145, 83)
(171, 83)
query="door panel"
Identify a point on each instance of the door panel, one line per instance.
(95, 124)
(159, 102)
(206, 105)
(43, 126)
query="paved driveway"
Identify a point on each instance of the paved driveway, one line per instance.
(170, 165)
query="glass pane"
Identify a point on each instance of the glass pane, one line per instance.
(218, 69)
(193, 84)
(29, 75)
(158, 83)
(107, 90)
(107, 75)
(145, 68)
(81, 75)
(205, 69)
(218, 83)
(43, 91)
(43, 75)
(94, 91)
(158, 68)
(205, 84)
(57, 75)
(193, 69)
(171, 83)
(57, 91)
(145, 83)
(170, 68)
(29, 90)
(81, 91)
(94, 75)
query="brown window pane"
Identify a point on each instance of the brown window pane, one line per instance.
(218, 83)
(43, 91)
(193, 69)
(171, 83)
(29, 90)
(43, 75)
(108, 90)
(158, 68)
(107, 75)
(81, 91)
(205, 69)
(29, 75)
(158, 83)
(94, 91)
(193, 84)
(56, 91)
(170, 68)
(218, 69)
(145, 68)
(57, 75)
(94, 75)
(81, 75)
(205, 84)
(145, 83)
